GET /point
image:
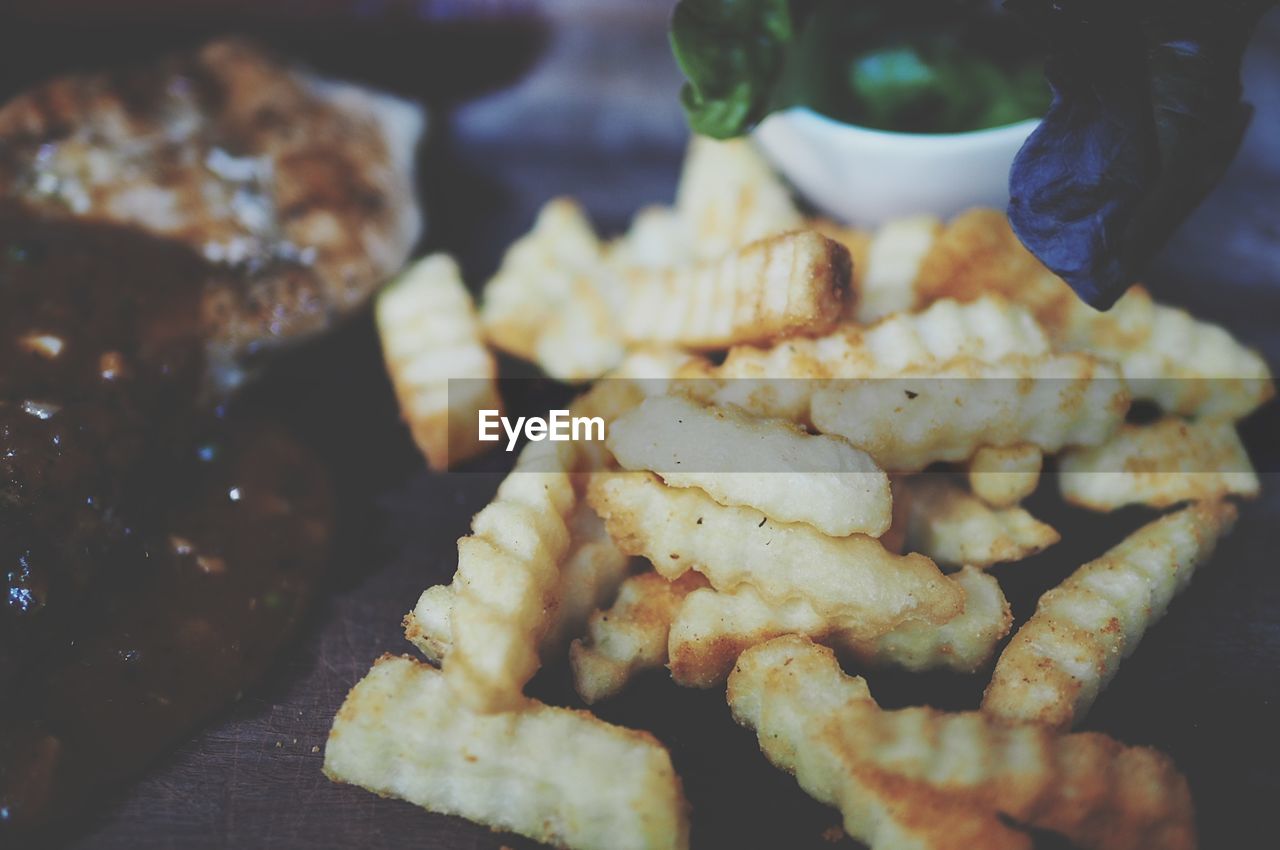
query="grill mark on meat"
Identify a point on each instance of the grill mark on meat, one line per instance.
(298, 189)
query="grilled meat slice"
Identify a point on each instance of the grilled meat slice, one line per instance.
(297, 189)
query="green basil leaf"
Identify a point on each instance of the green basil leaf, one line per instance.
(732, 53)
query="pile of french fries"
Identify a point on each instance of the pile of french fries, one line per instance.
(843, 364)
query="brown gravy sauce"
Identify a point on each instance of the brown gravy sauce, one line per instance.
(155, 549)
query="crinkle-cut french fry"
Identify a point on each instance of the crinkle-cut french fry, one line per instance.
(557, 776)
(1002, 476)
(552, 300)
(1060, 660)
(923, 779)
(429, 626)
(630, 636)
(589, 577)
(858, 242)
(849, 578)
(895, 539)
(907, 423)
(728, 196)
(657, 239)
(794, 283)
(1160, 464)
(977, 253)
(780, 380)
(507, 578)
(766, 464)
(712, 628)
(1185, 365)
(953, 527)
(593, 571)
(887, 284)
(430, 334)
(642, 373)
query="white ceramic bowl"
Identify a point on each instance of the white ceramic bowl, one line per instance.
(866, 177)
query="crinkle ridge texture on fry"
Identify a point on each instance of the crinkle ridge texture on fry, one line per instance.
(930, 780)
(853, 580)
(558, 776)
(1060, 659)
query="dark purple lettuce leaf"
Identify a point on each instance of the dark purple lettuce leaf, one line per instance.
(1146, 116)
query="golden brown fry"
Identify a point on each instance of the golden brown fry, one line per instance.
(589, 577)
(430, 335)
(551, 301)
(907, 423)
(558, 776)
(849, 579)
(1059, 661)
(630, 636)
(779, 380)
(507, 580)
(857, 241)
(1183, 364)
(1186, 365)
(928, 780)
(712, 628)
(1002, 476)
(888, 282)
(769, 465)
(728, 196)
(794, 283)
(977, 253)
(1160, 464)
(954, 527)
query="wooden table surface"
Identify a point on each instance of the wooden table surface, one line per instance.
(597, 119)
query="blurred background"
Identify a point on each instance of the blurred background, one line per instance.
(579, 97)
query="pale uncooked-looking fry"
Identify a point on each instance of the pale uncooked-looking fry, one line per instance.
(779, 380)
(907, 423)
(852, 579)
(953, 527)
(728, 196)
(657, 238)
(507, 579)
(780, 286)
(1186, 365)
(589, 577)
(430, 334)
(770, 465)
(1002, 476)
(551, 301)
(887, 284)
(1062, 657)
(630, 636)
(1160, 464)
(558, 776)
(711, 629)
(921, 779)
(642, 373)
